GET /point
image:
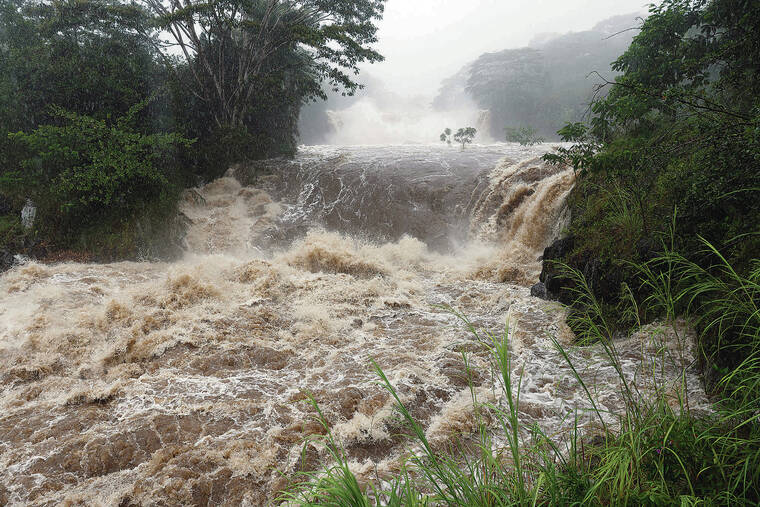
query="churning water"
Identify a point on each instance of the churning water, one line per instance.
(184, 383)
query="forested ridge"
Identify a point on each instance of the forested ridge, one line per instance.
(544, 85)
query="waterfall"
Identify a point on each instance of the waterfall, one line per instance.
(184, 383)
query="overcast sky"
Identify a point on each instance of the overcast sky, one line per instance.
(425, 41)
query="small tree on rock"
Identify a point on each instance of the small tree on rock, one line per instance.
(446, 136)
(464, 136)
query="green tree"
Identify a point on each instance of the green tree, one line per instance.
(93, 57)
(232, 46)
(465, 136)
(86, 170)
(89, 56)
(446, 136)
(270, 122)
(526, 136)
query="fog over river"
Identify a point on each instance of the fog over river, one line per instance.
(184, 383)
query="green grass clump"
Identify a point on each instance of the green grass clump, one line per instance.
(655, 453)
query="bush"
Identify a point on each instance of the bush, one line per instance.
(526, 136)
(88, 171)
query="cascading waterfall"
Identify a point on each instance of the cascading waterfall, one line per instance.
(184, 383)
(483, 123)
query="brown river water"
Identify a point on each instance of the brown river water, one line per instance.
(150, 383)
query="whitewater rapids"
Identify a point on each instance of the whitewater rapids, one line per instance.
(184, 384)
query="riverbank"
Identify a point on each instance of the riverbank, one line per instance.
(658, 448)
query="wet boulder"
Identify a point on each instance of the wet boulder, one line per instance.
(604, 275)
(559, 249)
(551, 276)
(6, 260)
(538, 290)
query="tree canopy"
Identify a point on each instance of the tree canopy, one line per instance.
(232, 45)
(230, 74)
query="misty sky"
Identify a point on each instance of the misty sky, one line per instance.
(425, 41)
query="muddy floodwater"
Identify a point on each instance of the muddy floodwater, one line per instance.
(184, 383)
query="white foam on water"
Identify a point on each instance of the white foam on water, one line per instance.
(186, 382)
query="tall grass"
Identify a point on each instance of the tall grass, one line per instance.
(726, 309)
(654, 453)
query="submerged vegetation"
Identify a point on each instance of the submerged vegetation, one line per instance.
(463, 136)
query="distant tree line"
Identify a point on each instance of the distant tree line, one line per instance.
(108, 108)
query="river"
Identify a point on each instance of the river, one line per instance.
(153, 383)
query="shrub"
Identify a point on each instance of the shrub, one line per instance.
(86, 170)
(526, 136)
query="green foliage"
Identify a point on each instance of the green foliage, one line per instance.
(89, 173)
(677, 130)
(446, 136)
(580, 154)
(465, 136)
(526, 136)
(726, 309)
(93, 57)
(86, 170)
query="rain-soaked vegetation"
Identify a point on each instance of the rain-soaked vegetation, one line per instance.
(110, 108)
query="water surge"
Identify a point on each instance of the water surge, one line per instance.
(184, 383)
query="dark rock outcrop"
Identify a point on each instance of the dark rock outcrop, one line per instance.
(560, 248)
(538, 290)
(603, 275)
(551, 276)
(6, 260)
